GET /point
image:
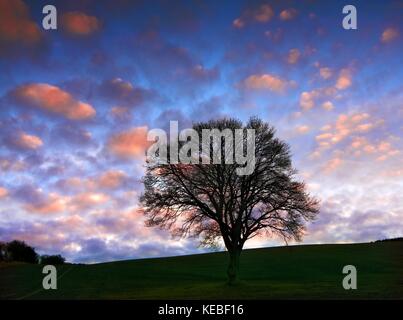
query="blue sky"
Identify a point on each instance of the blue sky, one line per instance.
(76, 103)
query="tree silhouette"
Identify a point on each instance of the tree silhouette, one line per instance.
(52, 259)
(211, 201)
(2, 251)
(17, 250)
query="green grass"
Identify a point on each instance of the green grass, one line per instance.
(294, 272)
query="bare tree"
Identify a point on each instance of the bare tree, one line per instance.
(211, 201)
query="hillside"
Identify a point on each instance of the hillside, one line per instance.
(307, 271)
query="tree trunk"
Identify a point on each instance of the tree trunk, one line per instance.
(233, 267)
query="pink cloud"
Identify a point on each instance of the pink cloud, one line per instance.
(79, 23)
(261, 14)
(293, 56)
(303, 129)
(12, 165)
(120, 113)
(3, 192)
(16, 25)
(111, 179)
(53, 99)
(308, 99)
(267, 82)
(130, 144)
(389, 35)
(238, 23)
(382, 150)
(26, 141)
(73, 221)
(351, 128)
(346, 125)
(54, 203)
(288, 14)
(344, 80)
(325, 72)
(87, 200)
(328, 105)
(332, 164)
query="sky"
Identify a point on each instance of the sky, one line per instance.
(76, 104)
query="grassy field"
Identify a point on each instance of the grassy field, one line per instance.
(294, 272)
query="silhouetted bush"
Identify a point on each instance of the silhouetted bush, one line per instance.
(390, 240)
(53, 260)
(19, 251)
(2, 251)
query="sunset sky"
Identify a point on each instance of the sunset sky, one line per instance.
(76, 104)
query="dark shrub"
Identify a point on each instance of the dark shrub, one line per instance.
(53, 260)
(390, 240)
(2, 251)
(19, 251)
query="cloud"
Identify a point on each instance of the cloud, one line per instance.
(350, 128)
(171, 114)
(130, 144)
(344, 80)
(100, 235)
(73, 183)
(288, 14)
(79, 24)
(16, 26)
(111, 179)
(261, 14)
(54, 100)
(86, 200)
(332, 164)
(389, 35)
(203, 74)
(303, 129)
(293, 56)
(325, 72)
(267, 82)
(21, 141)
(71, 134)
(125, 222)
(335, 226)
(346, 125)
(327, 105)
(26, 141)
(238, 23)
(308, 99)
(276, 35)
(165, 62)
(35, 200)
(124, 93)
(13, 164)
(120, 113)
(54, 203)
(382, 149)
(3, 192)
